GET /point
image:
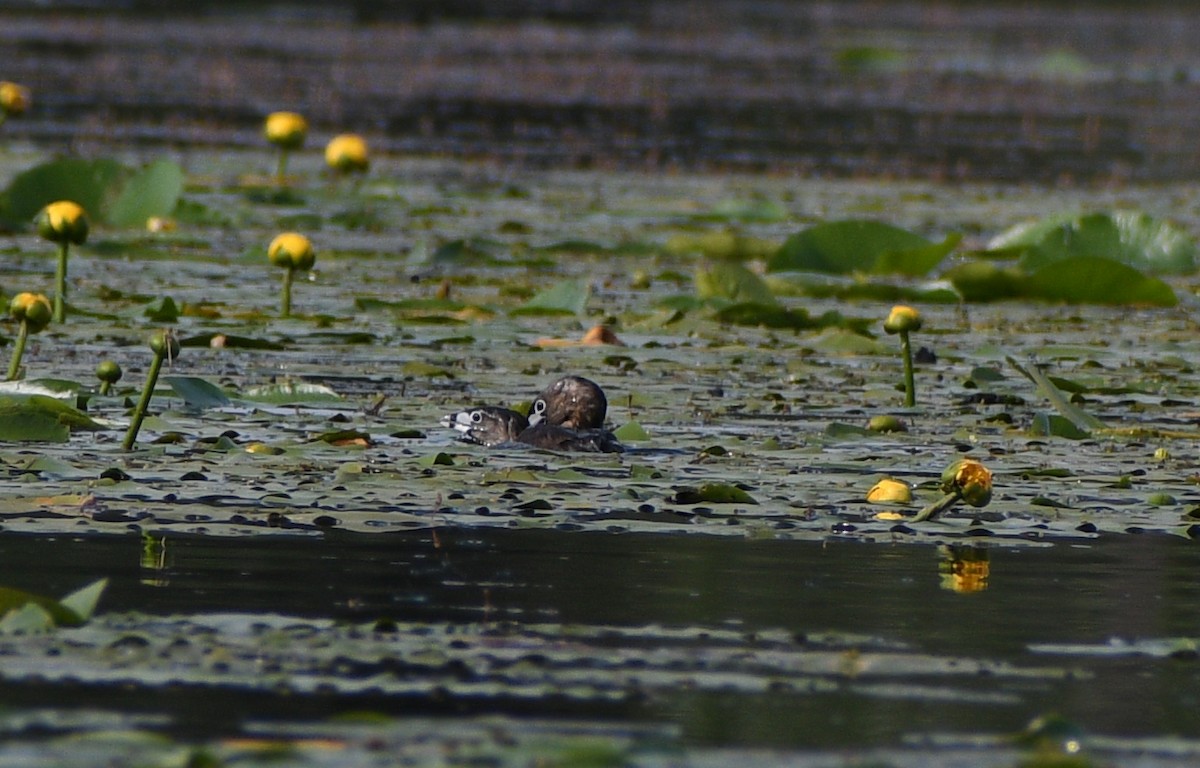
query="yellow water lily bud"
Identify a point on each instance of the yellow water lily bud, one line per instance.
(14, 98)
(63, 222)
(970, 480)
(31, 308)
(286, 130)
(890, 491)
(291, 250)
(902, 319)
(347, 154)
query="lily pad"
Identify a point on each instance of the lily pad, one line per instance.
(568, 297)
(197, 392)
(854, 245)
(1129, 237)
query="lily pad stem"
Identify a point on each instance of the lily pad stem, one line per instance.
(60, 283)
(285, 297)
(139, 414)
(910, 387)
(938, 507)
(14, 365)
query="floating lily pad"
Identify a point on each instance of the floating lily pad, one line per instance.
(860, 246)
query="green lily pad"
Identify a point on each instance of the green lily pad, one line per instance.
(714, 493)
(1129, 237)
(39, 418)
(197, 392)
(732, 282)
(854, 245)
(568, 297)
(1096, 280)
(152, 191)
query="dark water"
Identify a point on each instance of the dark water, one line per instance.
(1125, 588)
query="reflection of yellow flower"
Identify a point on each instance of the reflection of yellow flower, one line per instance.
(14, 98)
(286, 130)
(890, 491)
(347, 154)
(964, 569)
(31, 308)
(971, 480)
(902, 319)
(63, 222)
(291, 250)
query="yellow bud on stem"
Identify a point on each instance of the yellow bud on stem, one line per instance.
(32, 311)
(286, 130)
(293, 252)
(347, 154)
(904, 320)
(66, 223)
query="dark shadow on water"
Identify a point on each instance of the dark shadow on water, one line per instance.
(1112, 588)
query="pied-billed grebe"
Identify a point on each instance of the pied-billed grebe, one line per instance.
(492, 426)
(573, 402)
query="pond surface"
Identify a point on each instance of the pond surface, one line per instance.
(674, 642)
(308, 568)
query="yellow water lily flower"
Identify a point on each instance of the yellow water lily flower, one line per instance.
(286, 130)
(63, 221)
(14, 99)
(902, 319)
(347, 153)
(292, 251)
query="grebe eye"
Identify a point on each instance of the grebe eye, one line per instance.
(476, 416)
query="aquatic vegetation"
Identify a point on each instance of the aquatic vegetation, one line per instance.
(64, 223)
(347, 154)
(890, 491)
(902, 321)
(165, 346)
(287, 131)
(14, 100)
(294, 253)
(964, 480)
(26, 613)
(32, 311)
(108, 372)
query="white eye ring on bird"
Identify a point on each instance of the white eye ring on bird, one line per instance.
(476, 416)
(539, 406)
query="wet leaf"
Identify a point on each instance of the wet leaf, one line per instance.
(167, 311)
(732, 282)
(38, 418)
(87, 182)
(568, 297)
(58, 613)
(439, 459)
(151, 191)
(197, 392)
(979, 280)
(631, 432)
(1053, 425)
(1129, 237)
(82, 602)
(714, 493)
(291, 391)
(1077, 416)
(854, 245)
(1095, 280)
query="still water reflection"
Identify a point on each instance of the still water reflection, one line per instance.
(1009, 602)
